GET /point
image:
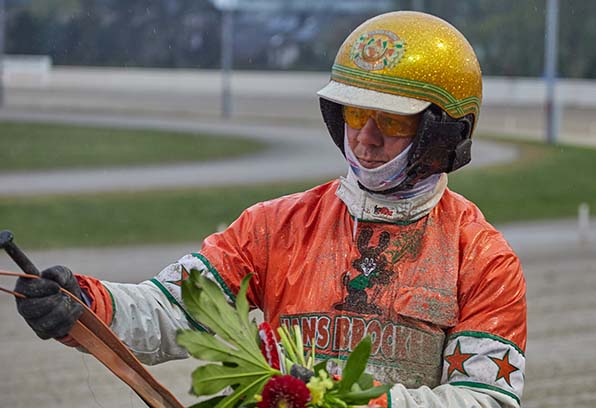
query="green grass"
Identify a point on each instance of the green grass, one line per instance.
(30, 146)
(130, 218)
(548, 182)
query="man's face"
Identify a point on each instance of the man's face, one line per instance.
(372, 147)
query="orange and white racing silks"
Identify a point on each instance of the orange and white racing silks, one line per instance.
(442, 297)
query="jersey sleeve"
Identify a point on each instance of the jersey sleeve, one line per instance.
(240, 250)
(485, 351)
(146, 316)
(226, 258)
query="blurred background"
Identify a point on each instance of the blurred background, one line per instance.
(287, 35)
(132, 129)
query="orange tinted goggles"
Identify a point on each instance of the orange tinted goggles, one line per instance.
(390, 124)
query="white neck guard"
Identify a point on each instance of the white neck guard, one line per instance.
(385, 177)
(365, 206)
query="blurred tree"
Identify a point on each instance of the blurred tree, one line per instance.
(508, 35)
(60, 9)
(577, 36)
(24, 33)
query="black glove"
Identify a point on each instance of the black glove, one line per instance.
(49, 312)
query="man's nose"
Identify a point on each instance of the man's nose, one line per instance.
(370, 134)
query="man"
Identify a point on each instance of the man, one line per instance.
(388, 251)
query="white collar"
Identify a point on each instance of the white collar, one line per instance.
(365, 206)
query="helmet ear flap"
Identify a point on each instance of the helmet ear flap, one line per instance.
(442, 145)
(334, 120)
(462, 154)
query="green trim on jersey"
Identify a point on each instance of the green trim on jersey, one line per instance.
(486, 387)
(113, 304)
(216, 275)
(173, 300)
(486, 336)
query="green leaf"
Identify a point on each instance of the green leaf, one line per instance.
(246, 392)
(205, 346)
(207, 304)
(242, 303)
(320, 366)
(299, 345)
(366, 381)
(332, 401)
(210, 403)
(286, 342)
(211, 378)
(234, 345)
(363, 397)
(312, 357)
(355, 365)
(355, 388)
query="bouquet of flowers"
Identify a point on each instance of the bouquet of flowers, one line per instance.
(261, 372)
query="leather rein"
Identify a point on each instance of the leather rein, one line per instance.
(99, 340)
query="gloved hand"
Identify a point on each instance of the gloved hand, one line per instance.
(49, 312)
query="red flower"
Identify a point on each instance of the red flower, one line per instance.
(269, 345)
(284, 392)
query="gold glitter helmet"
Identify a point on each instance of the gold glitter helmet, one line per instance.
(409, 62)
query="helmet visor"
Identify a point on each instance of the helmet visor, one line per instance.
(369, 99)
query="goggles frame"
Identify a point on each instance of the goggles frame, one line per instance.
(390, 124)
